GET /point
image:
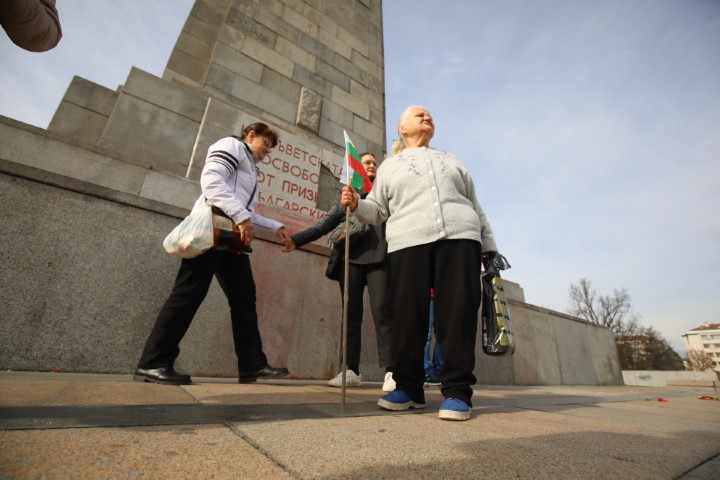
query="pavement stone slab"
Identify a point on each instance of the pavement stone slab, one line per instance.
(520, 444)
(196, 451)
(50, 392)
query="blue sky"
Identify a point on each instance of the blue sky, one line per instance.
(591, 129)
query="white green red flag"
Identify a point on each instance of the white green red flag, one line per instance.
(353, 172)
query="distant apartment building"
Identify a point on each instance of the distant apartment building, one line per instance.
(706, 339)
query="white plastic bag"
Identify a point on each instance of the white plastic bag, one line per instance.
(192, 236)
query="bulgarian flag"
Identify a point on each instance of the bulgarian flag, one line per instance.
(353, 172)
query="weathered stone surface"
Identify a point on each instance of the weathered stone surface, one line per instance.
(264, 98)
(281, 85)
(234, 61)
(182, 65)
(78, 123)
(173, 98)
(299, 56)
(368, 130)
(90, 95)
(268, 57)
(309, 110)
(165, 135)
(349, 101)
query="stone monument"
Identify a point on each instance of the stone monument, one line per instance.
(310, 69)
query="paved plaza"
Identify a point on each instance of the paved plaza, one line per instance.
(62, 425)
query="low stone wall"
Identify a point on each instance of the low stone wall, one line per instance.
(553, 349)
(669, 378)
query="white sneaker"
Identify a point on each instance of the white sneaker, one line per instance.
(389, 384)
(351, 380)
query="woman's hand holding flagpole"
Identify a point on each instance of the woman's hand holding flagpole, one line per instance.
(354, 176)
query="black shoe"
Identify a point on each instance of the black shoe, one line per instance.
(266, 372)
(432, 380)
(163, 375)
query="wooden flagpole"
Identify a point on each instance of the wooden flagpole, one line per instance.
(343, 328)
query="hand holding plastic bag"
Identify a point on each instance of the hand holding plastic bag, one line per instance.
(192, 236)
(494, 263)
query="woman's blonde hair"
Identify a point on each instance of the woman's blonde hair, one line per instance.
(399, 143)
(398, 146)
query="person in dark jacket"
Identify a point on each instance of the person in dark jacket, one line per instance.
(368, 266)
(33, 25)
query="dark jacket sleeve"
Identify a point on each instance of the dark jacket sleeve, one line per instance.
(31, 24)
(334, 217)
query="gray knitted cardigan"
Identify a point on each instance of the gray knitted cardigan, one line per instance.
(425, 195)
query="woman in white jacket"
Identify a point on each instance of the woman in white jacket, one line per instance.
(229, 182)
(437, 235)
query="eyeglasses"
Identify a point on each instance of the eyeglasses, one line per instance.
(268, 143)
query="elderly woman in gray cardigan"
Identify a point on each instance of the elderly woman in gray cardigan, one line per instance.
(368, 266)
(437, 237)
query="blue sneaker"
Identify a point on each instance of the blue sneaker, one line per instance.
(454, 409)
(397, 400)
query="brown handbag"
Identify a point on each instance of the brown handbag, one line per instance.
(226, 235)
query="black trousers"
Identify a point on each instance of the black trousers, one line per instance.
(235, 277)
(376, 276)
(452, 268)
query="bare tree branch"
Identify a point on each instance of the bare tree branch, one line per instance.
(639, 348)
(699, 360)
(582, 298)
(608, 311)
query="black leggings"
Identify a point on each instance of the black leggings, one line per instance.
(376, 276)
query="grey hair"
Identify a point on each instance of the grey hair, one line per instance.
(399, 143)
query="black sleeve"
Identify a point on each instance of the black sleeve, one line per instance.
(335, 215)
